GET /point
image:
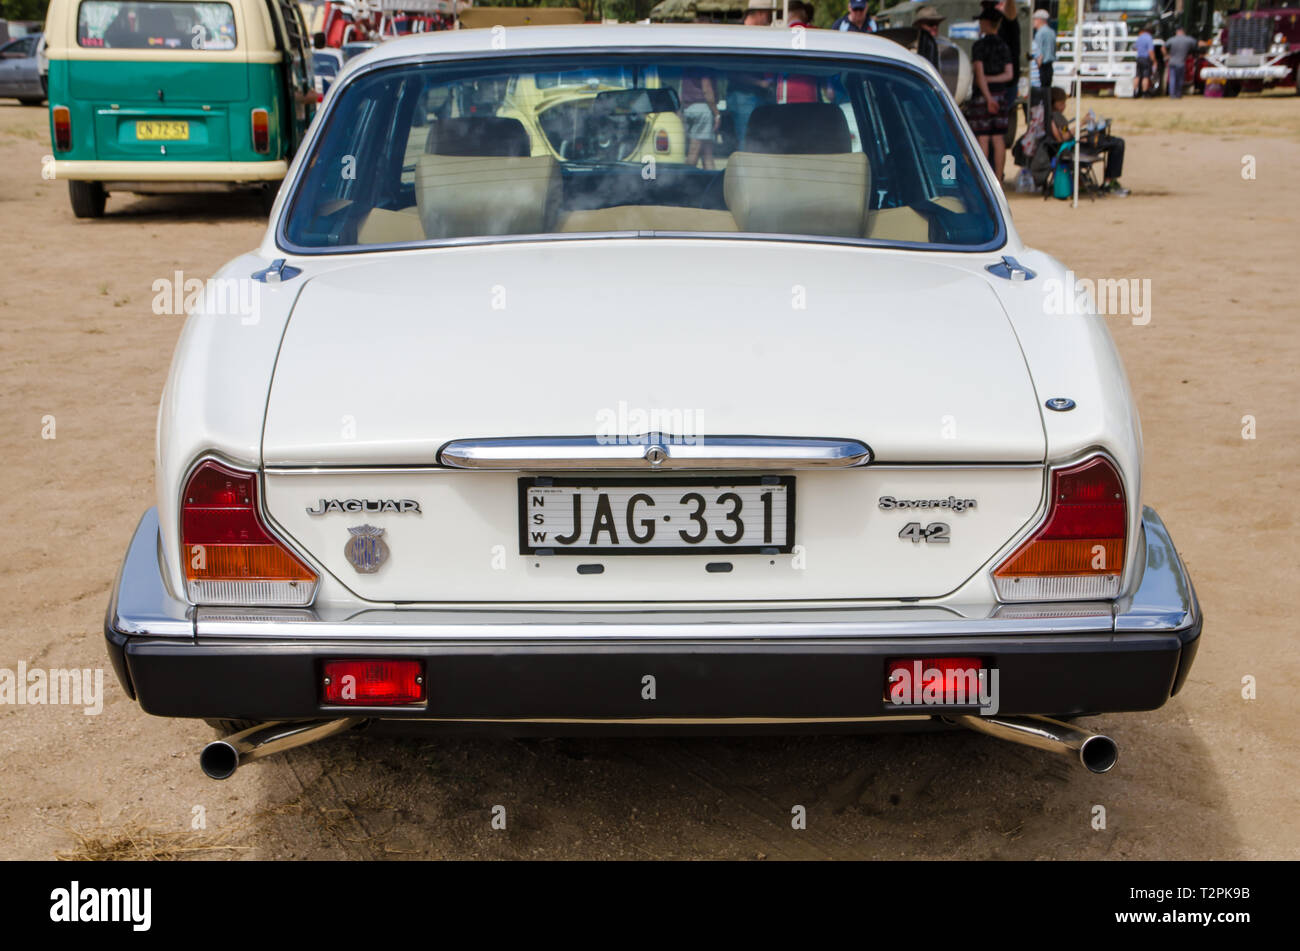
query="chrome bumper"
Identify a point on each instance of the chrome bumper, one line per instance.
(574, 666)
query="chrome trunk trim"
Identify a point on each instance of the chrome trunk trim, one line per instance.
(654, 452)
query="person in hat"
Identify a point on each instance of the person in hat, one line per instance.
(759, 12)
(1044, 50)
(856, 20)
(985, 110)
(927, 22)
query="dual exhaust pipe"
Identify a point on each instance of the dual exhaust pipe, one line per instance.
(1094, 751)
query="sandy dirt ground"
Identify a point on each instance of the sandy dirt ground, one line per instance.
(1210, 775)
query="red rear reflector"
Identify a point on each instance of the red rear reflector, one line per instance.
(261, 131)
(953, 677)
(661, 141)
(61, 116)
(373, 682)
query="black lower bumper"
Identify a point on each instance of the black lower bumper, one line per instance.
(715, 681)
(710, 670)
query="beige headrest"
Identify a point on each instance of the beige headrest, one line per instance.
(468, 195)
(798, 194)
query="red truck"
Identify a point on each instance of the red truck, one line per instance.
(1258, 48)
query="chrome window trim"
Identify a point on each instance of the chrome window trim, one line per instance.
(337, 89)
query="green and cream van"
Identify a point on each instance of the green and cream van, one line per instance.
(158, 96)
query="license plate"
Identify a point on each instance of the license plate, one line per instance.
(746, 515)
(155, 130)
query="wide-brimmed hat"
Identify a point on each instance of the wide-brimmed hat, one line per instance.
(928, 14)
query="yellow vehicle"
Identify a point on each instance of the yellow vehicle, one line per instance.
(597, 115)
(152, 96)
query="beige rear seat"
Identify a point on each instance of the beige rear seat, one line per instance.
(649, 218)
(383, 226)
(478, 178)
(797, 175)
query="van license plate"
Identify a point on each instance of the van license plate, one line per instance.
(153, 130)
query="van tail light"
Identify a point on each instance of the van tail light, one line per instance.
(1078, 551)
(371, 683)
(261, 131)
(661, 141)
(61, 117)
(230, 557)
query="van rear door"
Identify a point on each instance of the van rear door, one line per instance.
(180, 83)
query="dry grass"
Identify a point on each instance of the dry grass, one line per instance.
(1247, 115)
(134, 840)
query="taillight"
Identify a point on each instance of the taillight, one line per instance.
(61, 116)
(230, 557)
(661, 141)
(1078, 551)
(374, 682)
(261, 131)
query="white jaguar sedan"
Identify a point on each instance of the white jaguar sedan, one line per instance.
(541, 422)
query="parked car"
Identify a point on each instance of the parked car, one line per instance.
(355, 49)
(325, 66)
(517, 442)
(622, 115)
(155, 96)
(22, 75)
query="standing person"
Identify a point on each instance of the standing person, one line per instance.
(855, 21)
(797, 88)
(991, 62)
(759, 12)
(700, 116)
(1009, 30)
(927, 22)
(1145, 49)
(747, 91)
(1044, 51)
(1180, 47)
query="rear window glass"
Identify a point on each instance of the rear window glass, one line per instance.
(130, 25)
(651, 144)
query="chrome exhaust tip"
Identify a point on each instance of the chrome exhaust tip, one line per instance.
(1096, 752)
(220, 758)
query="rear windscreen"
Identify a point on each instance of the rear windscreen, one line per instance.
(652, 143)
(130, 25)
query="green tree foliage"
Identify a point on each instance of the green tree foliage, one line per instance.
(23, 9)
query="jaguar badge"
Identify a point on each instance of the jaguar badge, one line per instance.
(366, 550)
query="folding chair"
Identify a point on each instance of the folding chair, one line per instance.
(1088, 184)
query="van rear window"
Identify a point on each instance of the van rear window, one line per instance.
(132, 25)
